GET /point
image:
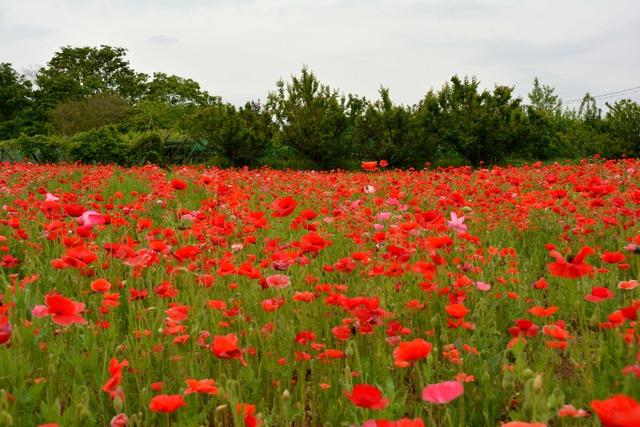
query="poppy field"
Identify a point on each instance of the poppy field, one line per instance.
(199, 296)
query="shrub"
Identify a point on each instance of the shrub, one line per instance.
(41, 148)
(104, 145)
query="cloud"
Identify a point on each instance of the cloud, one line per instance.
(238, 49)
(162, 39)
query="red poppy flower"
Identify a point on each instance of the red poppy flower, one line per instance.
(367, 396)
(62, 310)
(456, 310)
(617, 411)
(112, 386)
(540, 311)
(226, 347)
(247, 411)
(407, 352)
(612, 257)
(178, 184)
(599, 294)
(369, 166)
(206, 386)
(574, 267)
(74, 210)
(283, 207)
(167, 403)
(5, 330)
(101, 285)
(119, 420)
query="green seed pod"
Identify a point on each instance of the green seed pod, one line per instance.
(527, 374)
(118, 404)
(508, 381)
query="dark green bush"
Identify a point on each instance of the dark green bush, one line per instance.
(41, 148)
(104, 145)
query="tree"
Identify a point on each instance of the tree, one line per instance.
(311, 119)
(176, 90)
(15, 99)
(543, 97)
(92, 112)
(240, 136)
(483, 127)
(623, 122)
(78, 72)
(545, 118)
(589, 112)
(390, 132)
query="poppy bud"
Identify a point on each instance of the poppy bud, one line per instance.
(350, 349)
(118, 404)
(286, 395)
(537, 383)
(508, 381)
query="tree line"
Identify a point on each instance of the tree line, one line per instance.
(87, 104)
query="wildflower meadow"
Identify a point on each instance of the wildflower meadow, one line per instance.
(195, 296)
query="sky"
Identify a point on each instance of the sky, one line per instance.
(238, 49)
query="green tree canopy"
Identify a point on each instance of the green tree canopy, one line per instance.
(92, 112)
(311, 118)
(15, 98)
(240, 136)
(176, 90)
(623, 121)
(78, 72)
(481, 126)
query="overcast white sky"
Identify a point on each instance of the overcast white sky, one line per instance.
(239, 48)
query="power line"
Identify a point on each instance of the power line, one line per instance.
(608, 95)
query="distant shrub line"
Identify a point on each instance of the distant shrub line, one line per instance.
(87, 105)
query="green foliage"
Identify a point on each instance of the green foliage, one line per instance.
(15, 99)
(545, 120)
(390, 132)
(78, 72)
(104, 145)
(174, 90)
(156, 115)
(169, 119)
(147, 147)
(41, 148)
(92, 112)
(164, 148)
(311, 118)
(623, 122)
(483, 127)
(239, 136)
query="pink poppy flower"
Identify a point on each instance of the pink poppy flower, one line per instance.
(443, 392)
(278, 281)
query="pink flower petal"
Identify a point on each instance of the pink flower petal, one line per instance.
(443, 392)
(40, 311)
(482, 286)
